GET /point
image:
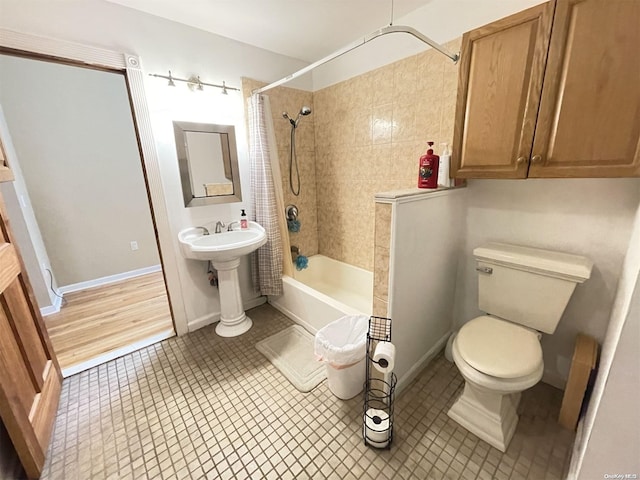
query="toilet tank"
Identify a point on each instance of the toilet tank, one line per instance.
(528, 286)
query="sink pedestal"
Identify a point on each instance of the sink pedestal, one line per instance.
(224, 250)
(233, 320)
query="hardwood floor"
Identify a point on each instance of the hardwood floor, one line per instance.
(99, 320)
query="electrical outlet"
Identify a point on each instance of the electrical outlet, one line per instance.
(134, 245)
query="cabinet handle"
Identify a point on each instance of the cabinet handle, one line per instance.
(536, 159)
(521, 160)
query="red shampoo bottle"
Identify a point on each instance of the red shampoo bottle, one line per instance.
(428, 172)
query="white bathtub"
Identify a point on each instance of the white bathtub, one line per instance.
(325, 291)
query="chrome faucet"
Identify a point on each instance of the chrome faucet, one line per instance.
(219, 226)
(206, 232)
(231, 224)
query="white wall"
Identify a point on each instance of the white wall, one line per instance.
(24, 225)
(590, 217)
(73, 132)
(614, 444)
(608, 441)
(426, 243)
(164, 45)
(441, 20)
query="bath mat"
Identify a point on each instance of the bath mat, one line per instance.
(291, 352)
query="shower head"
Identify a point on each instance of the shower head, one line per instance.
(304, 111)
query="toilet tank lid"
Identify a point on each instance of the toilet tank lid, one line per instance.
(547, 262)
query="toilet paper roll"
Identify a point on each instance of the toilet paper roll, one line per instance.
(384, 357)
(376, 427)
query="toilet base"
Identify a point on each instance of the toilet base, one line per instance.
(489, 415)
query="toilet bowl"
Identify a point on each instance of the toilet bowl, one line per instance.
(498, 360)
(524, 291)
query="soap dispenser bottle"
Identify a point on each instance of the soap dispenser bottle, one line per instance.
(244, 223)
(428, 172)
(443, 169)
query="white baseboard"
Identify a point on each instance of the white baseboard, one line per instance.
(104, 358)
(210, 318)
(413, 372)
(98, 282)
(203, 321)
(51, 309)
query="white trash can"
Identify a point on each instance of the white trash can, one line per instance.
(341, 345)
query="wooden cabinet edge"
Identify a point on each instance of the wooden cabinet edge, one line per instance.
(595, 171)
(493, 174)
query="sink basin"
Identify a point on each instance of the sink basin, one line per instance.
(221, 247)
(224, 251)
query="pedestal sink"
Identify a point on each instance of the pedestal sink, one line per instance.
(224, 250)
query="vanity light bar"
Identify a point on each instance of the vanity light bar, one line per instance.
(193, 82)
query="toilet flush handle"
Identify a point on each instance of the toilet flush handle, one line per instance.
(488, 270)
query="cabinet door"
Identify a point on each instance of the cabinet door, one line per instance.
(589, 121)
(500, 81)
(30, 378)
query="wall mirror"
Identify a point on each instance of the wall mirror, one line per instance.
(208, 162)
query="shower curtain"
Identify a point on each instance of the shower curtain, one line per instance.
(267, 198)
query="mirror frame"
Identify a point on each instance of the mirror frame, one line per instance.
(231, 162)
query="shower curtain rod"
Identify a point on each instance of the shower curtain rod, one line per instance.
(378, 33)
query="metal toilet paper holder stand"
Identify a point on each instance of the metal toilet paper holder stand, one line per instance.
(379, 390)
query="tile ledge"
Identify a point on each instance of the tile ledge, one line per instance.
(413, 193)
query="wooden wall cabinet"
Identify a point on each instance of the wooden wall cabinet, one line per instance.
(553, 91)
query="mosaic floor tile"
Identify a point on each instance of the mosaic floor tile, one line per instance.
(205, 407)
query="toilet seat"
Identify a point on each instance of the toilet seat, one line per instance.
(494, 384)
(499, 349)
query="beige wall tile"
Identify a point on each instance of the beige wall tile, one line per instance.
(404, 122)
(381, 273)
(380, 307)
(382, 123)
(398, 108)
(383, 225)
(382, 85)
(290, 100)
(366, 135)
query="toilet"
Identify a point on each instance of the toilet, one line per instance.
(524, 292)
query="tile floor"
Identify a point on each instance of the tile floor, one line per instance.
(201, 406)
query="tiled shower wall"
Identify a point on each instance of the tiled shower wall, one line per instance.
(370, 133)
(290, 100)
(365, 135)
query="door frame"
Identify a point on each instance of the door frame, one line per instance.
(70, 53)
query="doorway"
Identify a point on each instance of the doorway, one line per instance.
(88, 232)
